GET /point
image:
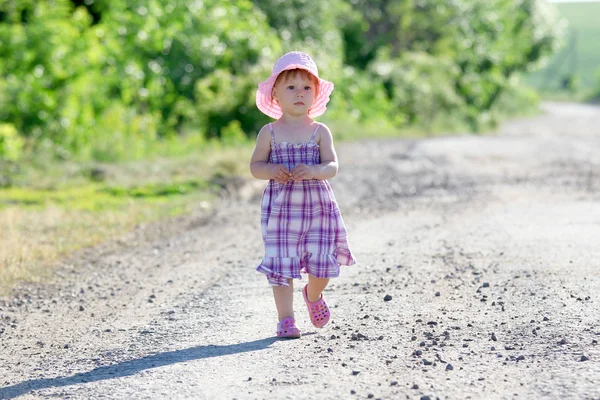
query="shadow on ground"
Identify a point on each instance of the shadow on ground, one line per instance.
(132, 367)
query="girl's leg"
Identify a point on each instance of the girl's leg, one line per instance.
(315, 287)
(284, 300)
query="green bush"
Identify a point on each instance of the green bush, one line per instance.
(478, 45)
(11, 144)
(420, 85)
(109, 88)
(360, 97)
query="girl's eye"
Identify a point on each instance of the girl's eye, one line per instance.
(307, 87)
(291, 87)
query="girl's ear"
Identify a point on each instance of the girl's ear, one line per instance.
(273, 95)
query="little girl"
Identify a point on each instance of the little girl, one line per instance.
(302, 227)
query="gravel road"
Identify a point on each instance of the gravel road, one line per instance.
(478, 277)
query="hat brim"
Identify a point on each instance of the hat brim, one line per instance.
(266, 103)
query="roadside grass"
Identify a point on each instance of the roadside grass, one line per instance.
(32, 239)
(580, 96)
(53, 209)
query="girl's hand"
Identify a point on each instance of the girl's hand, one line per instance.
(303, 171)
(281, 174)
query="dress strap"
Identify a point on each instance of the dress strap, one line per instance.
(272, 133)
(312, 138)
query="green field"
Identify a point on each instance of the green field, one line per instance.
(581, 52)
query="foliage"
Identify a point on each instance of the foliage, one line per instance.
(114, 80)
(110, 89)
(360, 97)
(11, 144)
(459, 55)
(420, 85)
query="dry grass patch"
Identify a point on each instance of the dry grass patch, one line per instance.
(55, 211)
(31, 240)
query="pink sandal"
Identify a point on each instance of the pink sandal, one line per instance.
(318, 311)
(287, 329)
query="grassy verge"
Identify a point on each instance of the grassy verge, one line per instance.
(51, 210)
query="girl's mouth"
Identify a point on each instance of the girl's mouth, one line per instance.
(298, 103)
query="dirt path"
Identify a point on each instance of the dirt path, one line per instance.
(488, 246)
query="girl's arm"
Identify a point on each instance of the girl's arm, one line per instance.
(259, 163)
(329, 162)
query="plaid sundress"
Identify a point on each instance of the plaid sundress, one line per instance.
(302, 227)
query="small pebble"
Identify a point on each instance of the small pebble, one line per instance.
(449, 367)
(583, 358)
(393, 383)
(437, 294)
(355, 372)
(486, 284)
(387, 297)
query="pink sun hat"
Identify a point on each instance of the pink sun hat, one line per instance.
(292, 60)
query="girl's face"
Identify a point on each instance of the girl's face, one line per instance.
(295, 93)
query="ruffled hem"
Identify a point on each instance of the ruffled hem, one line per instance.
(344, 256)
(280, 269)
